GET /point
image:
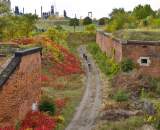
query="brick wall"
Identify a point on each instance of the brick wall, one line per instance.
(21, 89)
(152, 70)
(133, 50)
(111, 47)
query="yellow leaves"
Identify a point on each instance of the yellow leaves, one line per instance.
(60, 119)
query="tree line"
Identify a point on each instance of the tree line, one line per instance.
(142, 16)
(13, 26)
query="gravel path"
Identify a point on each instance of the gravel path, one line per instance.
(88, 110)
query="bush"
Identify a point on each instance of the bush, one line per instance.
(37, 121)
(87, 21)
(59, 28)
(58, 36)
(107, 65)
(120, 96)
(47, 105)
(102, 21)
(127, 65)
(90, 28)
(132, 123)
(155, 84)
(74, 22)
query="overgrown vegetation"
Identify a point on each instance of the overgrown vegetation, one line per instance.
(131, 123)
(79, 38)
(47, 105)
(91, 28)
(127, 65)
(58, 36)
(121, 95)
(12, 26)
(70, 89)
(142, 16)
(107, 65)
(138, 34)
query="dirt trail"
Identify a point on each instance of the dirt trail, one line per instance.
(88, 110)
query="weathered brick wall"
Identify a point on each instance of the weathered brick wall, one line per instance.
(135, 51)
(152, 70)
(21, 89)
(111, 47)
(114, 48)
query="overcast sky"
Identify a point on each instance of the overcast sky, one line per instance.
(100, 8)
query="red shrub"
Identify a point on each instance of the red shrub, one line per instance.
(67, 65)
(38, 121)
(44, 78)
(60, 103)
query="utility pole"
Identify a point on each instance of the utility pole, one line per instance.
(23, 10)
(74, 25)
(41, 11)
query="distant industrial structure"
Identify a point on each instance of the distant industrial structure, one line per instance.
(90, 14)
(52, 12)
(44, 15)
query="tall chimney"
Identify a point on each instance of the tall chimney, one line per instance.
(41, 11)
(23, 10)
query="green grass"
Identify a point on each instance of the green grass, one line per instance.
(138, 34)
(121, 95)
(45, 24)
(132, 123)
(107, 65)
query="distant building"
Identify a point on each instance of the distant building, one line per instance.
(45, 15)
(17, 12)
(52, 10)
(7, 3)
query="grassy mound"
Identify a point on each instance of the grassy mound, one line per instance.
(138, 34)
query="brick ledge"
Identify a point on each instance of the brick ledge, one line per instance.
(15, 61)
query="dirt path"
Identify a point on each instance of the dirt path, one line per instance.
(87, 112)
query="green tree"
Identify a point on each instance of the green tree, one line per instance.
(115, 12)
(118, 20)
(91, 28)
(28, 22)
(16, 26)
(102, 21)
(4, 9)
(74, 22)
(87, 21)
(141, 12)
(57, 36)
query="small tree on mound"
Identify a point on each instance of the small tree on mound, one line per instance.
(102, 21)
(47, 105)
(87, 21)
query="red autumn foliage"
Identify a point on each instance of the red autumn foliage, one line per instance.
(44, 78)
(60, 103)
(38, 121)
(24, 41)
(7, 128)
(68, 65)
